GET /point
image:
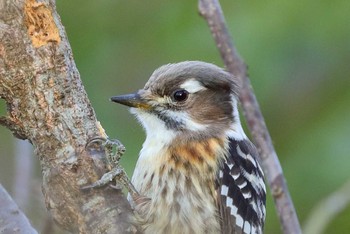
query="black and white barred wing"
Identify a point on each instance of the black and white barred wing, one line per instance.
(241, 190)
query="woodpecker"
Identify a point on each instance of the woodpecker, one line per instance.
(197, 171)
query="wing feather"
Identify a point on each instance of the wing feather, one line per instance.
(241, 190)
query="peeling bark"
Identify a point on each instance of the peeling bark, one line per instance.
(47, 104)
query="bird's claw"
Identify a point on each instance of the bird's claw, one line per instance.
(116, 173)
(114, 156)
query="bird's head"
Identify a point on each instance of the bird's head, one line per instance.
(186, 100)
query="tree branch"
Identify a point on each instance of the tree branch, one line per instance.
(47, 104)
(327, 210)
(211, 11)
(11, 217)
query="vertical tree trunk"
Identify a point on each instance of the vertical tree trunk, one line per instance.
(47, 104)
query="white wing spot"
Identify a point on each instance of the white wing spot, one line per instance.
(247, 195)
(239, 221)
(234, 210)
(242, 185)
(224, 190)
(260, 169)
(251, 159)
(256, 182)
(253, 230)
(246, 227)
(229, 203)
(235, 176)
(254, 206)
(221, 174)
(240, 153)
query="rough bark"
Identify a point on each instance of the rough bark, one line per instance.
(47, 104)
(212, 12)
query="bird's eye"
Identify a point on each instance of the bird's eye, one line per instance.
(180, 95)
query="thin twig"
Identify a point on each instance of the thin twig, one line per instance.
(327, 210)
(212, 12)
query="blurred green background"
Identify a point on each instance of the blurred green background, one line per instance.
(298, 53)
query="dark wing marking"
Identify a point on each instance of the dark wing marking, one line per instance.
(241, 190)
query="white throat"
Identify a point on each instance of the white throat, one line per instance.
(158, 136)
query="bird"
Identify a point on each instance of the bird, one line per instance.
(197, 171)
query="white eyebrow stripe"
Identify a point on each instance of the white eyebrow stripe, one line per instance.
(192, 86)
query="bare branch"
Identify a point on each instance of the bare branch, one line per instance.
(211, 11)
(47, 104)
(12, 218)
(327, 209)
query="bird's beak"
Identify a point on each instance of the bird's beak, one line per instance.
(132, 100)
